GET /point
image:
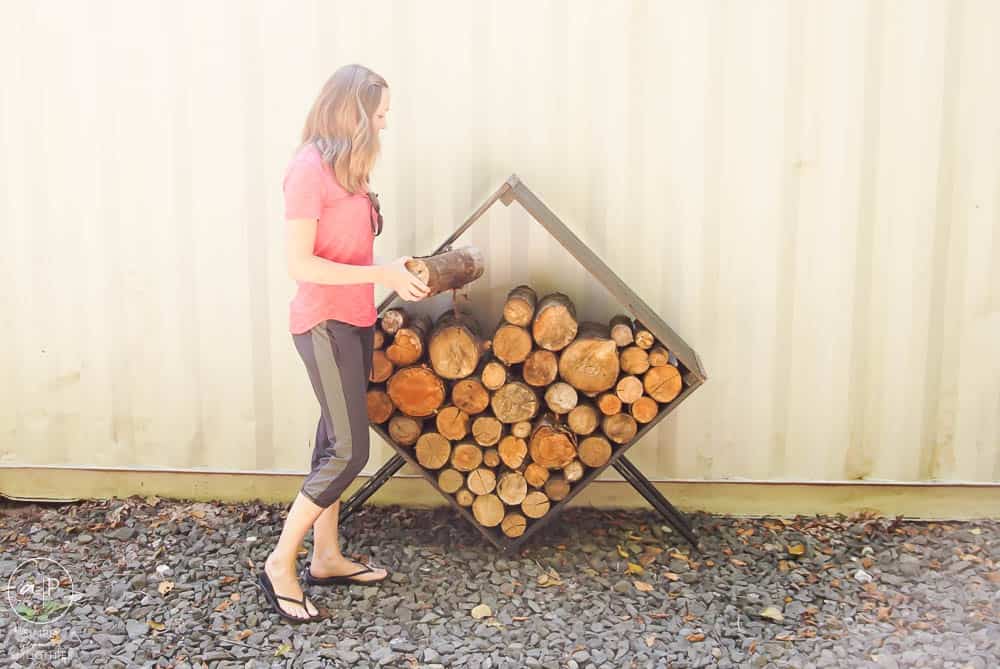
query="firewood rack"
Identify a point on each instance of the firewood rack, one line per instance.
(692, 370)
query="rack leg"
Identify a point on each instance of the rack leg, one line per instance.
(359, 497)
(645, 488)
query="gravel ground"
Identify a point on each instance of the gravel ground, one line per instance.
(156, 583)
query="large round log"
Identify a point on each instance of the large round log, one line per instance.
(404, 430)
(521, 428)
(535, 474)
(595, 451)
(432, 450)
(583, 419)
(573, 471)
(512, 488)
(644, 409)
(449, 480)
(379, 406)
(416, 390)
(494, 375)
(535, 504)
(609, 403)
(634, 360)
(464, 497)
(644, 339)
(452, 423)
(488, 510)
(511, 343)
(620, 428)
(470, 396)
(491, 457)
(551, 444)
(448, 270)
(658, 356)
(590, 363)
(557, 487)
(621, 330)
(455, 345)
(487, 430)
(629, 389)
(662, 383)
(513, 451)
(554, 324)
(382, 367)
(513, 524)
(540, 368)
(519, 308)
(561, 397)
(481, 481)
(410, 342)
(465, 457)
(514, 402)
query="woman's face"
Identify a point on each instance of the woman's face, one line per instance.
(378, 120)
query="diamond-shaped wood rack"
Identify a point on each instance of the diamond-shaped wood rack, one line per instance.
(691, 368)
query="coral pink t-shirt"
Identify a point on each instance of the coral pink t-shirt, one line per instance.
(343, 234)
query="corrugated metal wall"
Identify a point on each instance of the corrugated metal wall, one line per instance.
(808, 192)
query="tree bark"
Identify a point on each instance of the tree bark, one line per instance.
(621, 330)
(448, 270)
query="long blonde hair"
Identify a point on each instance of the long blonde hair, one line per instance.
(339, 124)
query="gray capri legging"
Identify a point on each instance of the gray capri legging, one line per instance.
(338, 357)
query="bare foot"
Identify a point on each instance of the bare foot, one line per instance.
(341, 566)
(286, 583)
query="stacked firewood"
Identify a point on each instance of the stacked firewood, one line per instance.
(510, 423)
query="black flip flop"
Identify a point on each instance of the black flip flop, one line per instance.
(264, 581)
(344, 579)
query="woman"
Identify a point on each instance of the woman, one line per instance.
(331, 226)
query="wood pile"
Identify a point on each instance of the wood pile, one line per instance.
(508, 422)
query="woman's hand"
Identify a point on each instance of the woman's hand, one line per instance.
(396, 277)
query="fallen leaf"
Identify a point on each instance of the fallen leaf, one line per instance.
(642, 586)
(633, 568)
(772, 613)
(481, 611)
(622, 552)
(738, 563)
(226, 580)
(224, 605)
(244, 634)
(156, 626)
(671, 576)
(283, 650)
(165, 586)
(697, 636)
(797, 549)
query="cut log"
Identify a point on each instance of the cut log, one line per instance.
(382, 367)
(470, 396)
(551, 445)
(513, 524)
(512, 488)
(521, 428)
(448, 270)
(512, 451)
(536, 475)
(620, 428)
(514, 402)
(465, 456)
(511, 343)
(392, 320)
(561, 397)
(416, 390)
(487, 430)
(452, 423)
(658, 356)
(557, 487)
(449, 480)
(583, 419)
(590, 363)
(662, 383)
(535, 504)
(519, 309)
(493, 375)
(609, 404)
(595, 451)
(621, 330)
(481, 481)
(488, 510)
(432, 450)
(573, 471)
(554, 324)
(405, 430)
(644, 339)
(634, 360)
(540, 368)
(410, 342)
(378, 337)
(464, 497)
(644, 409)
(455, 345)
(379, 406)
(491, 457)
(629, 389)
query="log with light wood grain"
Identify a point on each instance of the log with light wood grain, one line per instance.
(405, 430)
(382, 367)
(609, 403)
(379, 405)
(432, 450)
(573, 471)
(511, 487)
(464, 497)
(491, 457)
(514, 402)
(450, 480)
(629, 388)
(416, 390)
(481, 481)
(594, 451)
(470, 396)
(521, 428)
(662, 383)
(455, 345)
(513, 524)
(535, 474)
(535, 504)
(644, 339)
(590, 363)
(583, 419)
(540, 368)
(448, 270)
(487, 430)
(633, 360)
(452, 423)
(519, 308)
(511, 343)
(465, 456)
(554, 324)
(644, 409)
(493, 375)
(489, 510)
(619, 428)
(551, 444)
(557, 487)
(392, 320)
(622, 332)
(513, 450)
(561, 397)
(410, 342)
(658, 356)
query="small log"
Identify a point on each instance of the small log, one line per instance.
(590, 363)
(465, 457)
(514, 402)
(629, 389)
(481, 481)
(551, 445)
(644, 339)
(621, 330)
(583, 419)
(493, 375)
(595, 451)
(512, 488)
(519, 308)
(416, 390)
(448, 270)
(410, 342)
(620, 428)
(535, 504)
(609, 404)
(449, 480)
(382, 367)
(488, 510)
(540, 368)
(536, 475)
(513, 524)
(491, 457)
(512, 451)
(634, 360)
(392, 320)
(573, 471)
(554, 324)
(432, 450)
(378, 338)
(662, 383)
(379, 406)
(405, 430)
(521, 428)
(658, 356)
(644, 409)
(452, 423)
(487, 430)
(561, 397)
(511, 343)
(470, 396)
(455, 345)
(464, 497)
(557, 487)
